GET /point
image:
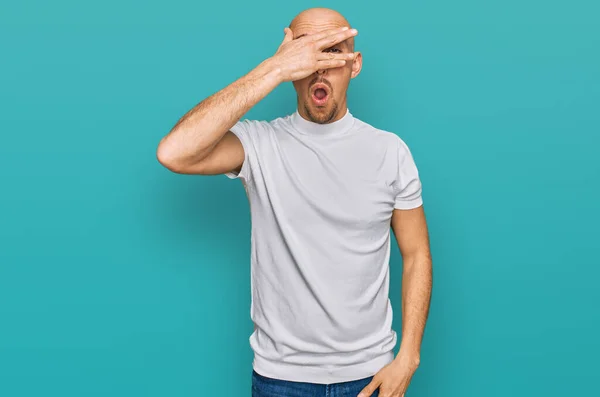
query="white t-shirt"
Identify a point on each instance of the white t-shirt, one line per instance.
(321, 198)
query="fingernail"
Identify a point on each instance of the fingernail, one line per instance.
(345, 28)
(354, 31)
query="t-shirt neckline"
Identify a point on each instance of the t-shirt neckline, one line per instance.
(335, 128)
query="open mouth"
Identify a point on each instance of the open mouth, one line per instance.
(320, 94)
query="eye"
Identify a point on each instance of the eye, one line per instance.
(333, 50)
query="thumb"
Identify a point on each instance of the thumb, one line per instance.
(289, 36)
(369, 389)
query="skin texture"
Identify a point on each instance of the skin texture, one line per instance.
(314, 51)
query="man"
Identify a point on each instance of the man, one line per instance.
(324, 189)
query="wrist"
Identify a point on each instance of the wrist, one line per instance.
(407, 358)
(409, 352)
(271, 70)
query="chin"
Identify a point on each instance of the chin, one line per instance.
(321, 114)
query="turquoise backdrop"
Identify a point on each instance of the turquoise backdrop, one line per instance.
(120, 278)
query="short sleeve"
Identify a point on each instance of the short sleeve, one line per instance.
(407, 186)
(245, 131)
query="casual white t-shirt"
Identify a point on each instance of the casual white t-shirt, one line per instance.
(321, 198)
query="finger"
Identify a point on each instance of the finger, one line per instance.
(330, 64)
(369, 389)
(328, 56)
(289, 36)
(334, 39)
(327, 33)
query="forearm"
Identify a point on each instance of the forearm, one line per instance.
(201, 128)
(416, 298)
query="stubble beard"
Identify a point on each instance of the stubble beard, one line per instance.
(321, 118)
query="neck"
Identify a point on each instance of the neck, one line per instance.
(340, 124)
(339, 113)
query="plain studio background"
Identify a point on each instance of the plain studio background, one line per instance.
(119, 278)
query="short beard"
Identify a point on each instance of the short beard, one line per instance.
(321, 119)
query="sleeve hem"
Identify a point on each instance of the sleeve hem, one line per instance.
(244, 171)
(408, 204)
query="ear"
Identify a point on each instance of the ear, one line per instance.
(356, 64)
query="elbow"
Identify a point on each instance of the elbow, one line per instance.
(419, 259)
(167, 157)
(175, 161)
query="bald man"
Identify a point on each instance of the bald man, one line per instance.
(324, 189)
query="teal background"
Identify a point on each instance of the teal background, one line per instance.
(119, 278)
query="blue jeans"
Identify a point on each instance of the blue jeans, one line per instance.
(263, 386)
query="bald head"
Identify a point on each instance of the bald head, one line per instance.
(322, 95)
(315, 20)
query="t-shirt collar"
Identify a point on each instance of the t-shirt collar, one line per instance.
(308, 127)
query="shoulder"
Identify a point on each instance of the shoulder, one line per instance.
(253, 124)
(390, 139)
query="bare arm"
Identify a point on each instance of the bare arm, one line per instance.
(205, 126)
(410, 230)
(201, 143)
